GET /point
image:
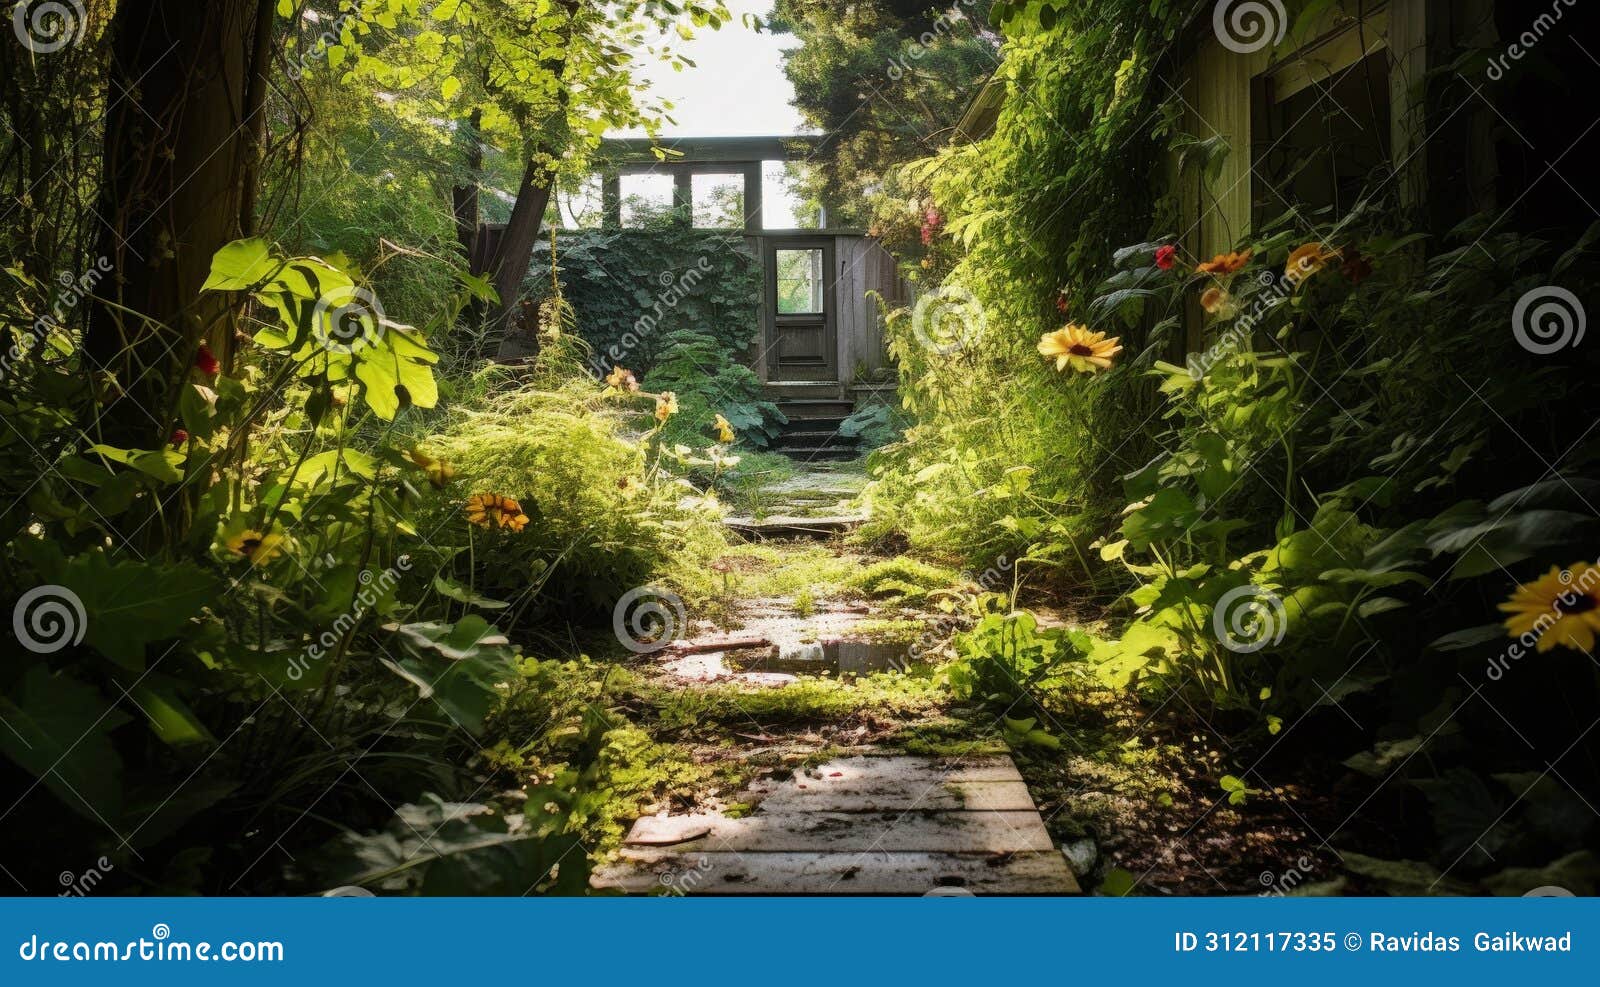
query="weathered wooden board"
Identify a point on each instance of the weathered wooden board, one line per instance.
(838, 873)
(928, 832)
(814, 796)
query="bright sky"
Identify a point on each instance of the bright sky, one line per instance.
(737, 88)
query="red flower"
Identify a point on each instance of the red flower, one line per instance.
(179, 437)
(927, 236)
(1061, 304)
(932, 217)
(206, 362)
(1165, 256)
(1356, 267)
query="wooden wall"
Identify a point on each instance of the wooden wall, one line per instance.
(864, 266)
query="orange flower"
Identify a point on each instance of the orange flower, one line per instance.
(1307, 260)
(491, 510)
(1216, 301)
(666, 405)
(622, 379)
(1225, 264)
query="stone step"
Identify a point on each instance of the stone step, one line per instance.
(818, 424)
(816, 408)
(816, 454)
(812, 440)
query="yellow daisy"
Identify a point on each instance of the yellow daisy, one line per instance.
(491, 510)
(1077, 347)
(724, 430)
(257, 547)
(1561, 607)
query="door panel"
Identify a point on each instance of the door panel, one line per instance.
(801, 309)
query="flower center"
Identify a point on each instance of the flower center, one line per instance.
(1080, 349)
(1572, 602)
(250, 545)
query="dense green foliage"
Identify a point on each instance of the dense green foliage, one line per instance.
(1307, 526)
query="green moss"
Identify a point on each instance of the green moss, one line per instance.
(902, 580)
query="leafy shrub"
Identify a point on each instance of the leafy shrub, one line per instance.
(708, 383)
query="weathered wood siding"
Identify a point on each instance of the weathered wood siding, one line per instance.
(864, 266)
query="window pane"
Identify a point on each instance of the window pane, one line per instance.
(718, 202)
(800, 282)
(580, 206)
(646, 199)
(783, 202)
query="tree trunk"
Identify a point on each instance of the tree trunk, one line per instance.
(512, 256)
(180, 147)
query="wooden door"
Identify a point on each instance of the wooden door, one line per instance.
(801, 309)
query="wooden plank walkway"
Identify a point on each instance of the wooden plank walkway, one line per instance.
(890, 825)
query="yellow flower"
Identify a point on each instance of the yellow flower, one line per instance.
(1560, 607)
(490, 510)
(666, 405)
(1225, 264)
(257, 547)
(622, 379)
(1307, 260)
(724, 430)
(1075, 346)
(440, 471)
(1217, 302)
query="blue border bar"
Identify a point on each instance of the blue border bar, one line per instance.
(783, 941)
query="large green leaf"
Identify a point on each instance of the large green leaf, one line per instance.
(128, 605)
(57, 729)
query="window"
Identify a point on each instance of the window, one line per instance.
(783, 206)
(1321, 134)
(801, 282)
(646, 199)
(578, 204)
(718, 201)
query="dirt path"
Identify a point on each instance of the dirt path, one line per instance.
(848, 772)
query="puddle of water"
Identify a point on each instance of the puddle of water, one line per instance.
(838, 657)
